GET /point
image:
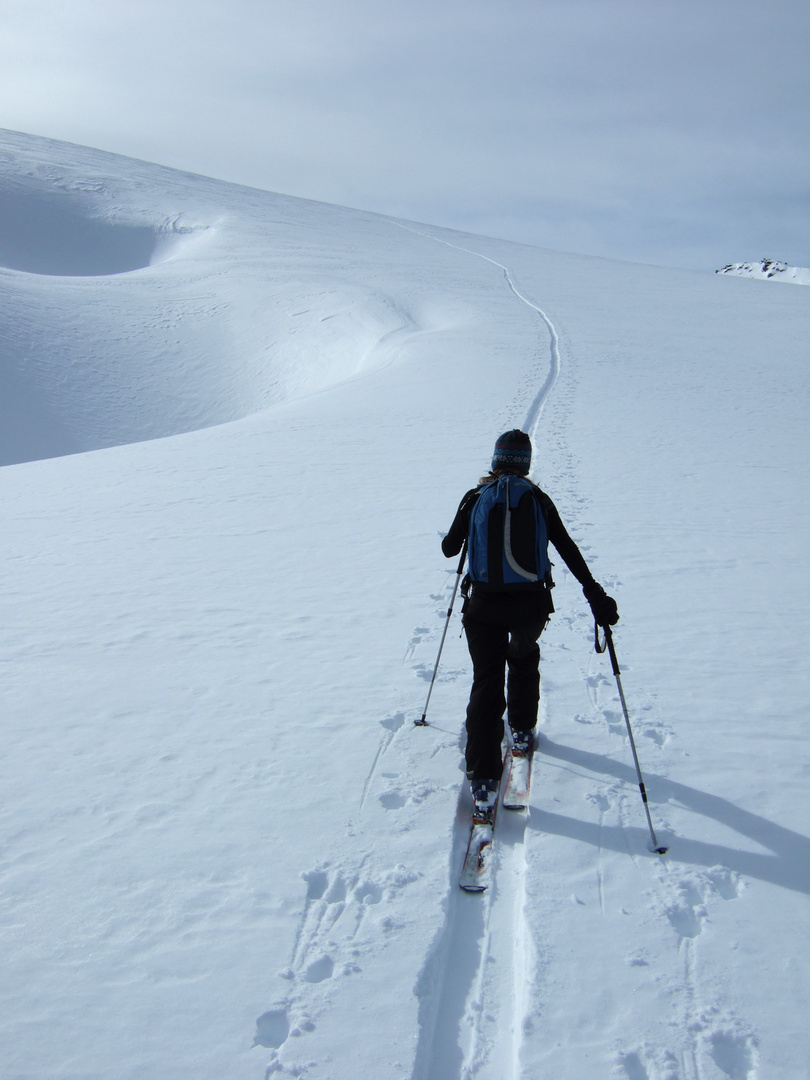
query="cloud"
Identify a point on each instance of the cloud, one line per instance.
(649, 129)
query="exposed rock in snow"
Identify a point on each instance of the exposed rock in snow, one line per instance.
(771, 269)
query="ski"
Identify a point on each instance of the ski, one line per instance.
(476, 873)
(518, 781)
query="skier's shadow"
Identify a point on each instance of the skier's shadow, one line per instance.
(788, 863)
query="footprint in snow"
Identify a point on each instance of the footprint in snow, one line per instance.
(319, 969)
(368, 892)
(734, 1054)
(272, 1029)
(317, 883)
(328, 947)
(595, 680)
(647, 1064)
(420, 634)
(725, 882)
(657, 735)
(393, 800)
(634, 1067)
(615, 722)
(687, 908)
(393, 723)
(335, 907)
(445, 675)
(407, 794)
(579, 718)
(600, 801)
(687, 912)
(423, 671)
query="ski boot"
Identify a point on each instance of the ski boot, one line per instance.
(485, 799)
(522, 743)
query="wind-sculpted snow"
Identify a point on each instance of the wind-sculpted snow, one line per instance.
(133, 314)
(225, 849)
(46, 232)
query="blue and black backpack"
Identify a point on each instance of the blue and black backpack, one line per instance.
(492, 563)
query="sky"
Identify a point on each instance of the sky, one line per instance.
(672, 132)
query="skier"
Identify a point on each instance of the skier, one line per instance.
(507, 522)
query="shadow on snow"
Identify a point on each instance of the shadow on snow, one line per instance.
(788, 865)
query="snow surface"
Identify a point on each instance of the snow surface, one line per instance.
(225, 850)
(769, 269)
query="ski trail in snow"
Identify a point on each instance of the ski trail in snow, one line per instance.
(507, 976)
(541, 397)
(474, 986)
(450, 977)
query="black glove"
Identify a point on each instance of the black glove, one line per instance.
(604, 608)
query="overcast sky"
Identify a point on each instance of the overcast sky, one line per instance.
(663, 131)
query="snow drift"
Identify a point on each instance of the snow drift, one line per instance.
(129, 318)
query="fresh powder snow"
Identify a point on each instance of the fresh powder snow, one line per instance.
(234, 426)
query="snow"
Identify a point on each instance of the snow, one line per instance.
(769, 269)
(235, 425)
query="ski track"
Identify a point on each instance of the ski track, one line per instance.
(536, 408)
(475, 986)
(473, 990)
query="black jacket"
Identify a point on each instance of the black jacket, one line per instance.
(524, 526)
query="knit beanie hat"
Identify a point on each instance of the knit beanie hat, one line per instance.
(513, 450)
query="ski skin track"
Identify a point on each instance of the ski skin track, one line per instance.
(442, 1024)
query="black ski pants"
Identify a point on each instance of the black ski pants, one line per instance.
(502, 632)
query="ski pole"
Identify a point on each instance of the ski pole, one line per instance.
(423, 722)
(611, 649)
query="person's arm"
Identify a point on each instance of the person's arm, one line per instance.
(570, 553)
(457, 534)
(603, 606)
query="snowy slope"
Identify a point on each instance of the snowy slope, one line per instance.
(225, 851)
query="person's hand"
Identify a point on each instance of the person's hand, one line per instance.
(605, 611)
